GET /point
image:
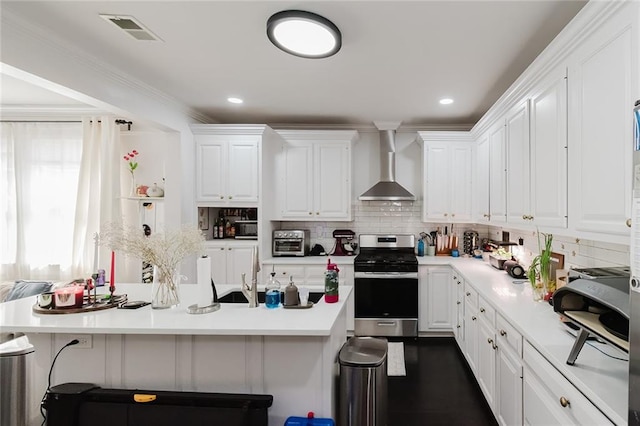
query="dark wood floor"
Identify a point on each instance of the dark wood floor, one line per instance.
(439, 388)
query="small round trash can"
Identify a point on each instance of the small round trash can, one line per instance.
(363, 382)
(15, 356)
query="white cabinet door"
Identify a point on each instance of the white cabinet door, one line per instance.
(227, 169)
(482, 208)
(471, 335)
(548, 148)
(517, 181)
(603, 78)
(238, 263)
(315, 177)
(448, 162)
(211, 167)
(332, 180)
(497, 168)
(539, 408)
(243, 169)
(218, 257)
(487, 362)
(437, 203)
(297, 181)
(508, 387)
(458, 309)
(439, 298)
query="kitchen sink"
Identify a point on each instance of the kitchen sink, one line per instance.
(238, 297)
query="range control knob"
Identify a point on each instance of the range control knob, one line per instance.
(635, 283)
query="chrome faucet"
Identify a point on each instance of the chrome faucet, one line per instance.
(251, 292)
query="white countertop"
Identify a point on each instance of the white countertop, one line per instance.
(232, 318)
(602, 379)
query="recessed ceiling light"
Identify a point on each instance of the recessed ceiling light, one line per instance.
(446, 101)
(304, 34)
(235, 100)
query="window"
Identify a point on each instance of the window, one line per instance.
(39, 164)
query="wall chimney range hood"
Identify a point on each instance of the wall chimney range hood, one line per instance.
(387, 189)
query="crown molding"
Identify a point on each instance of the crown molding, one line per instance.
(586, 22)
(229, 129)
(13, 24)
(318, 134)
(49, 112)
(439, 136)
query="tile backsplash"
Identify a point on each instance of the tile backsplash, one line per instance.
(405, 217)
(379, 217)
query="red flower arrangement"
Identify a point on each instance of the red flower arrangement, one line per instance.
(129, 158)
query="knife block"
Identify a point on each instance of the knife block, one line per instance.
(446, 243)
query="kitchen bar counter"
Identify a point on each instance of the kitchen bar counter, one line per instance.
(287, 353)
(232, 318)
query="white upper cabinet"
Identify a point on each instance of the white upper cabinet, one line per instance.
(447, 189)
(314, 175)
(481, 209)
(517, 175)
(603, 76)
(227, 165)
(548, 153)
(497, 174)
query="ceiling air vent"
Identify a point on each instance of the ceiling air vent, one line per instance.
(131, 26)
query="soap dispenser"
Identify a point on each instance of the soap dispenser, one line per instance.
(291, 294)
(272, 292)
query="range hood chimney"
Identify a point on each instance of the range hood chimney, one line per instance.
(387, 189)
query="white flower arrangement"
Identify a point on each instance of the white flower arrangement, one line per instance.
(164, 250)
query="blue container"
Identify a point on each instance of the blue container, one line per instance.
(308, 421)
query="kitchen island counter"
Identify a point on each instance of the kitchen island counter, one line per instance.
(232, 319)
(288, 353)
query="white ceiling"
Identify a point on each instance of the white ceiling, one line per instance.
(397, 60)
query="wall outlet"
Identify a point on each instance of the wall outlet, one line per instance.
(85, 341)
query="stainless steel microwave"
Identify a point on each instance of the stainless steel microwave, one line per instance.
(246, 230)
(291, 242)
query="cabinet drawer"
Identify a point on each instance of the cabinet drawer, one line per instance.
(471, 295)
(508, 335)
(486, 311)
(566, 399)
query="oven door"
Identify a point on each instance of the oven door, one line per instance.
(288, 247)
(386, 304)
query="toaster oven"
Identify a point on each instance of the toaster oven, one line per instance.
(291, 242)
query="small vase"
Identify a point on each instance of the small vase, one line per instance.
(165, 288)
(134, 190)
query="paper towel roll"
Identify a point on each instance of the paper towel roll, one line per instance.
(203, 272)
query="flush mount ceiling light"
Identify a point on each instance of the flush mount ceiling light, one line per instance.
(235, 100)
(446, 101)
(304, 34)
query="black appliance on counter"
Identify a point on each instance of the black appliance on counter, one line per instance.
(80, 404)
(386, 286)
(597, 307)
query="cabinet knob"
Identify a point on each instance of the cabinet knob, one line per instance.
(446, 214)
(564, 402)
(317, 213)
(468, 294)
(458, 302)
(310, 213)
(524, 216)
(222, 197)
(503, 333)
(490, 341)
(531, 217)
(221, 248)
(482, 310)
(473, 318)
(628, 223)
(229, 248)
(230, 197)
(485, 215)
(455, 278)
(458, 326)
(494, 346)
(459, 283)
(453, 215)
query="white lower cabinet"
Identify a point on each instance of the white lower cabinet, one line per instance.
(457, 308)
(550, 399)
(471, 327)
(508, 408)
(486, 375)
(229, 260)
(435, 293)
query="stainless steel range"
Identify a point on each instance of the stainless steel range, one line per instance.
(386, 286)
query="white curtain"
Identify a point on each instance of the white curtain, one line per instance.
(39, 176)
(98, 191)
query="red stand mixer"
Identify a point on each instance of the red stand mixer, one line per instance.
(342, 246)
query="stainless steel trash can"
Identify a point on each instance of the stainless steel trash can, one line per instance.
(363, 382)
(15, 356)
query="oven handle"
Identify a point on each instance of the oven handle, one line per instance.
(386, 275)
